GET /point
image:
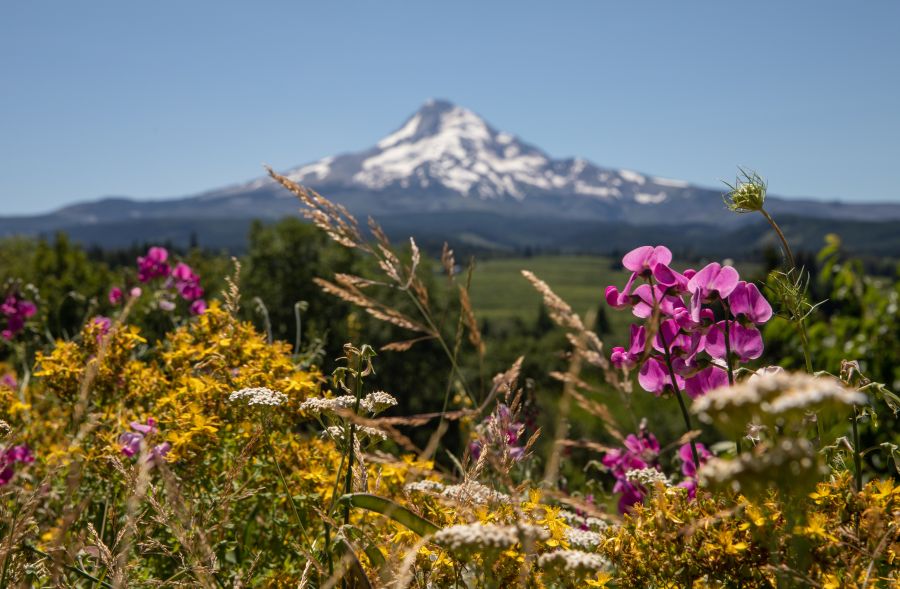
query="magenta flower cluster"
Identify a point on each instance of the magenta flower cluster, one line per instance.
(692, 351)
(639, 452)
(689, 467)
(9, 458)
(16, 310)
(500, 430)
(131, 441)
(181, 279)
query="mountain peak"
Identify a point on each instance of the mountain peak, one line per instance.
(439, 117)
(448, 150)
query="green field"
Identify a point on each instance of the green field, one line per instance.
(500, 292)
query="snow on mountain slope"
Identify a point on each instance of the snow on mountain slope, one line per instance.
(444, 147)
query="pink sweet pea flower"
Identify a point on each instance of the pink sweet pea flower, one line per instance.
(644, 262)
(644, 298)
(746, 300)
(711, 377)
(9, 458)
(17, 311)
(689, 468)
(654, 377)
(746, 342)
(638, 453)
(153, 265)
(198, 307)
(629, 359)
(712, 280)
(131, 441)
(116, 295)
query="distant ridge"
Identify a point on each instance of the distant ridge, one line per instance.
(446, 159)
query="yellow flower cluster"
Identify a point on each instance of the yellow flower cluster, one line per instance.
(836, 538)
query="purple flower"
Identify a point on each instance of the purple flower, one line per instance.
(116, 295)
(711, 377)
(198, 307)
(639, 452)
(153, 265)
(9, 381)
(131, 441)
(17, 310)
(629, 359)
(689, 468)
(746, 300)
(187, 282)
(746, 342)
(9, 458)
(654, 377)
(103, 324)
(713, 280)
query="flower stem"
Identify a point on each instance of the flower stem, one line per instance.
(684, 411)
(804, 341)
(857, 459)
(784, 243)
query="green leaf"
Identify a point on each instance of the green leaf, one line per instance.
(883, 393)
(894, 452)
(388, 508)
(355, 575)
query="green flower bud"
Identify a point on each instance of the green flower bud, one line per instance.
(748, 194)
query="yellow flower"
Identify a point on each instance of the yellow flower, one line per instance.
(602, 580)
(816, 528)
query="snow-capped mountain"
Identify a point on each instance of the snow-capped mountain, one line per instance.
(450, 149)
(445, 172)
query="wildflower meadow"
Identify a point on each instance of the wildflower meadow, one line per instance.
(190, 422)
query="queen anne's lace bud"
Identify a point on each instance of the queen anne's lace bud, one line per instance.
(258, 396)
(748, 194)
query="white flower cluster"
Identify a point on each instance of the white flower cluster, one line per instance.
(788, 458)
(777, 400)
(475, 493)
(647, 477)
(424, 487)
(573, 561)
(377, 402)
(258, 396)
(373, 403)
(583, 538)
(477, 537)
(319, 405)
(336, 432)
(575, 520)
(778, 392)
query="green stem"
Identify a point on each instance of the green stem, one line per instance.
(804, 341)
(684, 411)
(74, 569)
(857, 458)
(287, 489)
(357, 393)
(444, 346)
(784, 243)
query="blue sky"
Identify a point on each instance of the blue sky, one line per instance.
(167, 98)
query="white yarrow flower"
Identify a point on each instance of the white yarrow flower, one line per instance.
(572, 561)
(258, 396)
